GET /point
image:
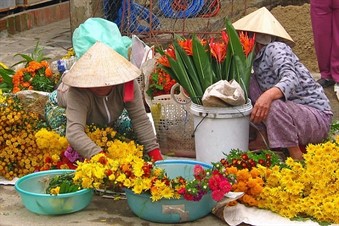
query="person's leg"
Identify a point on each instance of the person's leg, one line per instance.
(335, 40)
(321, 18)
(290, 125)
(295, 153)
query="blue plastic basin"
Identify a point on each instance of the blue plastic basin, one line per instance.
(171, 210)
(32, 190)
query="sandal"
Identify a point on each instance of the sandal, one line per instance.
(326, 82)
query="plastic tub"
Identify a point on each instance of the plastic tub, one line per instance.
(171, 210)
(32, 192)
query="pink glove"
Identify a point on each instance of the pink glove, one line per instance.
(155, 155)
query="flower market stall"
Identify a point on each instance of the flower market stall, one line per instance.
(293, 190)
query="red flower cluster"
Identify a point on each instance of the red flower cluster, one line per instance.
(207, 180)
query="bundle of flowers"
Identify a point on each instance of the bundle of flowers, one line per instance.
(249, 181)
(28, 145)
(293, 189)
(306, 189)
(160, 83)
(36, 74)
(251, 170)
(19, 154)
(122, 166)
(196, 63)
(249, 159)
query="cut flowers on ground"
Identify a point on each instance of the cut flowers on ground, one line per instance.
(34, 74)
(196, 63)
(160, 83)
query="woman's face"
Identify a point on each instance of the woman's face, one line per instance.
(258, 47)
(101, 91)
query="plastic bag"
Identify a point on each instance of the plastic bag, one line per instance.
(224, 93)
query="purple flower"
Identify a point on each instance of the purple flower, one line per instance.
(72, 155)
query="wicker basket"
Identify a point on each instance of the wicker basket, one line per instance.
(174, 126)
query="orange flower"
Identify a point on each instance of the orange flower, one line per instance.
(48, 72)
(25, 84)
(186, 44)
(246, 42)
(225, 37)
(218, 50)
(243, 175)
(163, 60)
(249, 200)
(231, 170)
(33, 66)
(44, 63)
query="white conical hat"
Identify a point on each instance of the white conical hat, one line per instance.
(262, 21)
(100, 66)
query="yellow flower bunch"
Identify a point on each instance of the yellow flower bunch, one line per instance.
(101, 136)
(19, 154)
(308, 188)
(50, 142)
(123, 166)
(2, 98)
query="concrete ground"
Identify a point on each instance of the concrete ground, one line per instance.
(55, 38)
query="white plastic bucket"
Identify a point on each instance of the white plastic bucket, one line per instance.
(218, 130)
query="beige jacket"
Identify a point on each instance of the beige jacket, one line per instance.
(84, 108)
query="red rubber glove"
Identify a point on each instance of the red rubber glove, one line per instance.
(155, 155)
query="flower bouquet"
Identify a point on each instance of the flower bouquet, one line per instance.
(284, 191)
(196, 64)
(35, 74)
(187, 188)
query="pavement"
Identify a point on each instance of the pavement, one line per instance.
(55, 38)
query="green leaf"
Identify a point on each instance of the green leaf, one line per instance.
(190, 68)
(241, 66)
(26, 60)
(202, 63)
(6, 75)
(179, 69)
(226, 66)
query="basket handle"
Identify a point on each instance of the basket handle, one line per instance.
(182, 98)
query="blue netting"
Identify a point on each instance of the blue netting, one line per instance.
(127, 15)
(178, 9)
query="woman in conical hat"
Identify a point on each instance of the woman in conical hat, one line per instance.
(288, 103)
(99, 87)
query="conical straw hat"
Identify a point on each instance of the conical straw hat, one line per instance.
(262, 21)
(101, 66)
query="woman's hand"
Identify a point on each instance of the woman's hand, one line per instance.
(155, 155)
(262, 106)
